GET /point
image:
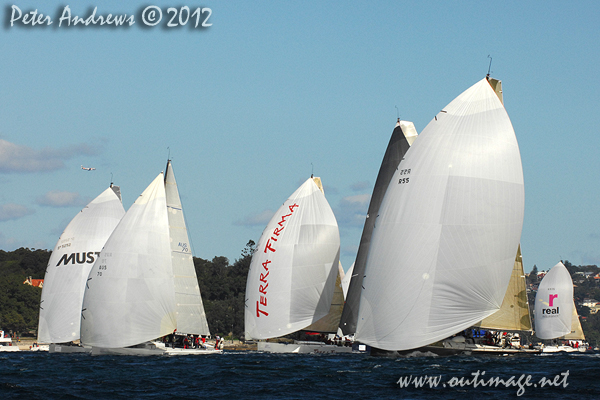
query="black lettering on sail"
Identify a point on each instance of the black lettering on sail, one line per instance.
(66, 259)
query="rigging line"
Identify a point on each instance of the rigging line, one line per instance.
(490, 67)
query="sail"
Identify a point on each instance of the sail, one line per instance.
(448, 228)
(330, 322)
(129, 296)
(70, 264)
(402, 137)
(554, 304)
(190, 311)
(576, 329)
(514, 311)
(346, 281)
(292, 273)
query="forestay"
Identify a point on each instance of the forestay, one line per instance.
(293, 271)
(448, 229)
(129, 297)
(70, 264)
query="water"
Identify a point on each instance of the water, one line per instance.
(251, 375)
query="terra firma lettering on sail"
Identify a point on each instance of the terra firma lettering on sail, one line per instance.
(78, 258)
(270, 247)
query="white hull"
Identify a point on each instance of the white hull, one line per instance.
(6, 348)
(563, 349)
(302, 348)
(43, 347)
(152, 349)
(65, 348)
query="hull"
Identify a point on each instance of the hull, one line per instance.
(302, 348)
(152, 349)
(563, 349)
(67, 348)
(8, 348)
(449, 348)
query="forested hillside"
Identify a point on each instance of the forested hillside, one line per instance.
(222, 286)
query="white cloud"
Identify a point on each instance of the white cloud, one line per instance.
(13, 211)
(55, 198)
(261, 219)
(15, 158)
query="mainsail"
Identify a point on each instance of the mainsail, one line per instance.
(70, 264)
(129, 297)
(554, 304)
(190, 311)
(514, 311)
(448, 228)
(330, 322)
(402, 138)
(293, 271)
(576, 329)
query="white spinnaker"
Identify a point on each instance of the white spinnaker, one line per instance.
(293, 284)
(448, 228)
(554, 304)
(70, 264)
(129, 297)
(190, 311)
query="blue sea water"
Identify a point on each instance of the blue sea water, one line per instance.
(252, 375)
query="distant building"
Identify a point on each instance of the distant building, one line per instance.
(34, 282)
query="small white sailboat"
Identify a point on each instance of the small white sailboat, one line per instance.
(292, 276)
(68, 268)
(555, 313)
(131, 298)
(444, 242)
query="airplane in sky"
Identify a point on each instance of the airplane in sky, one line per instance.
(87, 168)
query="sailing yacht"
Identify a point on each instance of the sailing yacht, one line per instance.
(68, 268)
(294, 274)
(143, 285)
(556, 317)
(448, 228)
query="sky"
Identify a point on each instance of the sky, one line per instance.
(248, 107)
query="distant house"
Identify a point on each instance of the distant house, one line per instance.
(34, 282)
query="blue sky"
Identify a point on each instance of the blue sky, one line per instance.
(273, 91)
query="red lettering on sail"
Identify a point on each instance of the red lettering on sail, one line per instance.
(263, 289)
(258, 310)
(263, 277)
(270, 246)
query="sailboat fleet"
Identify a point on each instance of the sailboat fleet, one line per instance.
(142, 285)
(436, 258)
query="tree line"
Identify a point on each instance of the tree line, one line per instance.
(222, 286)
